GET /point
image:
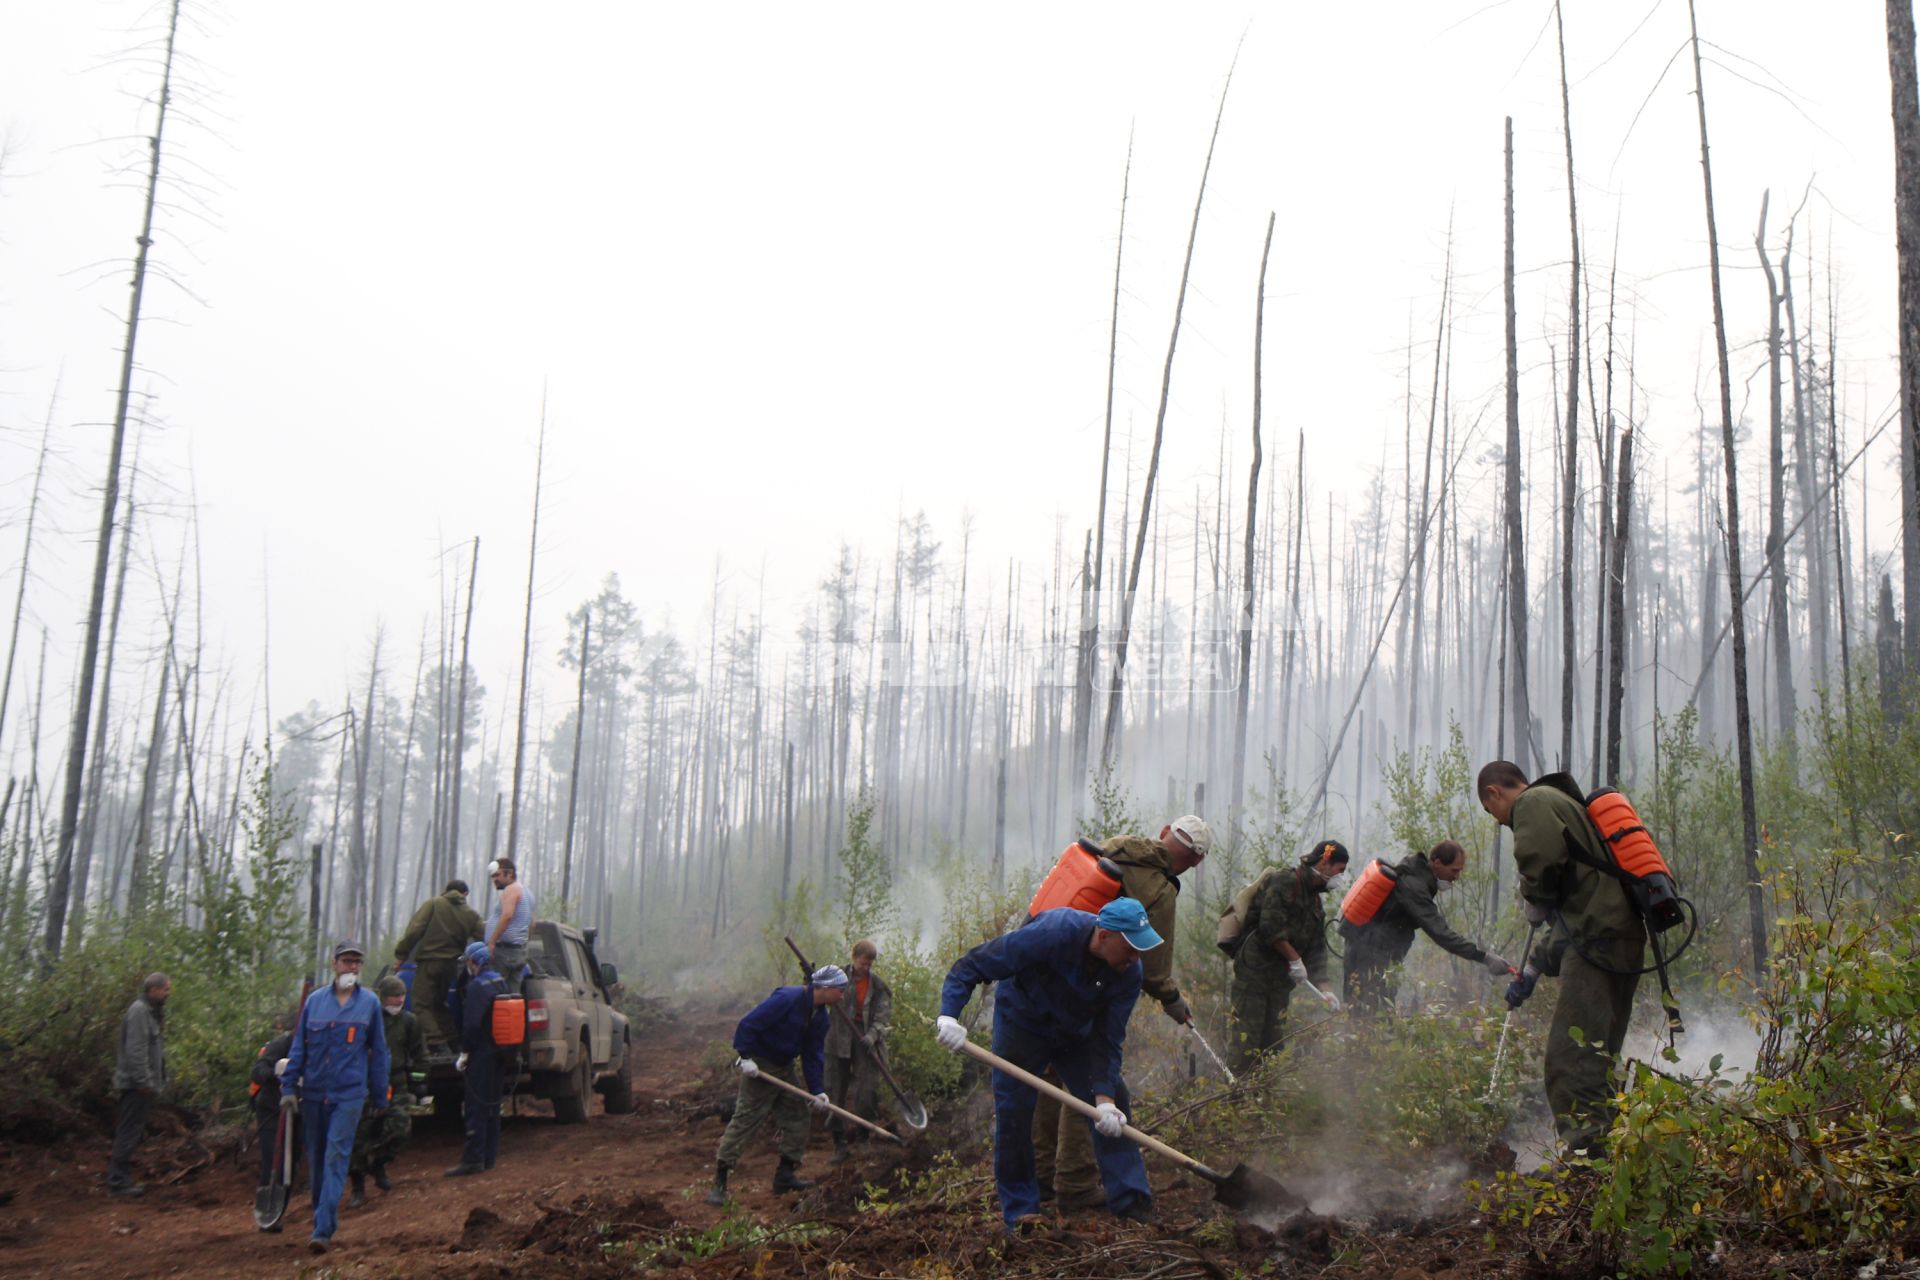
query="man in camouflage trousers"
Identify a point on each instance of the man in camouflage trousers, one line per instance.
(382, 1133)
(1595, 942)
(1284, 944)
(1150, 871)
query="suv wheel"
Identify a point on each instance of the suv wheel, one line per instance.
(571, 1107)
(618, 1090)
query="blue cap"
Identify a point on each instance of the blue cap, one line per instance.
(1126, 917)
(477, 953)
(828, 975)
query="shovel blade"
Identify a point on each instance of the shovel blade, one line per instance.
(913, 1112)
(1247, 1189)
(270, 1206)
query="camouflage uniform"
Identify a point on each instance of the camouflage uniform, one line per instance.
(1381, 943)
(382, 1134)
(434, 940)
(853, 1081)
(1595, 947)
(1063, 1154)
(1287, 908)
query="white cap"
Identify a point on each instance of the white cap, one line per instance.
(1194, 830)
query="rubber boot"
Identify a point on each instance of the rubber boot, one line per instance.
(786, 1177)
(719, 1193)
(380, 1178)
(840, 1152)
(359, 1196)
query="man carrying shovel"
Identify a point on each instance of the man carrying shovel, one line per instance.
(853, 1072)
(791, 1023)
(1068, 982)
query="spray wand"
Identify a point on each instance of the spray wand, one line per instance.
(1506, 1024)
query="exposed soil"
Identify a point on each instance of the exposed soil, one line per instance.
(622, 1194)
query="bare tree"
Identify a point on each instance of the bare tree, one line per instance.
(526, 641)
(1906, 203)
(1244, 691)
(1743, 722)
(1516, 556)
(57, 893)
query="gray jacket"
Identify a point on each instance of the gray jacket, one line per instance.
(141, 1062)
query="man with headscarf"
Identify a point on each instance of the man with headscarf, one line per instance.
(382, 1134)
(1285, 946)
(791, 1023)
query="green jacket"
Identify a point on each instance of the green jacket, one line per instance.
(1589, 904)
(406, 1049)
(1286, 910)
(876, 1015)
(1411, 908)
(141, 1061)
(1147, 876)
(440, 929)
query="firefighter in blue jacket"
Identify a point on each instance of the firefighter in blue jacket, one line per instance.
(791, 1023)
(479, 1061)
(1068, 981)
(337, 1066)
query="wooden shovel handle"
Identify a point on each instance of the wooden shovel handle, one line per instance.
(1066, 1099)
(842, 1112)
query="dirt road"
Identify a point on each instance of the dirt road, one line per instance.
(622, 1194)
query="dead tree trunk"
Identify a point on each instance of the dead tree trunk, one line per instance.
(460, 721)
(26, 564)
(1570, 479)
(109, 505)
(1784, 712)
(1245, 689)
(1110, 737)
(1517, 599)
(1616, 615)
(1742, 716)
(526, 644)
(1906, 203)
(573, 769)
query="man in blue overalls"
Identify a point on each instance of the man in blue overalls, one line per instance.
(1068, 981)
(337, 1066)
(479, 1061)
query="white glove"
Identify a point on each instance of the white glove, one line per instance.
(1297, 970)
(460, 1063)
(746, 1067)
(1110, 1120)
(949, 1033)
(1497, 966)
(820, 1102)
(1333, 1001)
(280, 1067)
(1535, 913)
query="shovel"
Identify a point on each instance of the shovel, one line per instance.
(270, 1201)
(913, 1112)
(842, 1112)
(1242, 1189)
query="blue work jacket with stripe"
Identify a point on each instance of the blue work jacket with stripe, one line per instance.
(1051, 986)
(339, 1050)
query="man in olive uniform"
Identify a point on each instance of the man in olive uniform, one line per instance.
(435, 940)
(1150, 871)
(1376, 947)
(1595, 941)
(1285, 944)
(853, 1079)
(383, 1133)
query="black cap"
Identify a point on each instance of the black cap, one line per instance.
(349, 949)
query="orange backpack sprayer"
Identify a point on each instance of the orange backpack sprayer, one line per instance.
(1083, 878)
(1651, 884)
(1636, 862)
(1368, 894)
(509, 1021)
